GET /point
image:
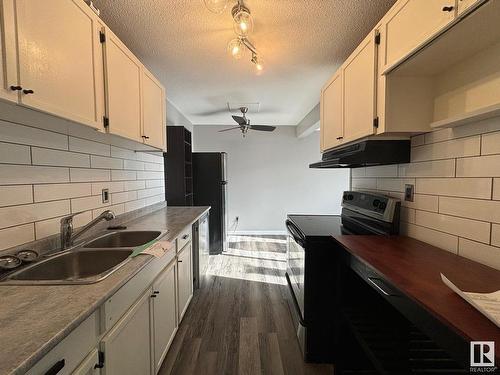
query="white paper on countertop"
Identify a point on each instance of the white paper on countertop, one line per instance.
(487, 303)
(158, 249)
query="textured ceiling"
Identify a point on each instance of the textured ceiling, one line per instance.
(302, 43)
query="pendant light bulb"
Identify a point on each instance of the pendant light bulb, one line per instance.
(243, 22)
(259, 63)
(216, 6)
(236, 48)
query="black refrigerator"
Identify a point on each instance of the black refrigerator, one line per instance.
(210, 189)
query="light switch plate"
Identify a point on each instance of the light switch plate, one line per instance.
(409, 192)
(105, 195)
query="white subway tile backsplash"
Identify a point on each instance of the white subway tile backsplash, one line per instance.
(422, 202)
(113, 187)
(490, 143)
(457, 187)
(15, 195)
(26, 174)
(15, 133)
(408, 215)
(364, 183)
(89, 147)
(50, 192)
(155, 199)
(45, 156)
(49, 227)
(135, 205)
(17, 215)
(123, 197)
(157, 183)
(495, 235)
(14, 154)
(418, 140)
(123, 153)
(394, 184)
(446, 150)
(437, 168)
(153, 167)
(358, 172)
(474, 230)
(135, 185)
(480, 166)
(439, 239)
(117, 175)
(89, 175)
(146, 175)
(134, 165)
(481, 127)
(382, 171)
(87, 203)
(150, 158)
(496, 188)
(478, 209)
(479, 252)
(14, 236)
(117, 209)
(150, 192)
(102, 162)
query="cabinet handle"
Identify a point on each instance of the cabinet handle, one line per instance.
(16, 88)
(185, 237)
(28, 92)
(179, 261)
(156, 292)
(448, 9)
(56, 368)
(339, 138)
(153, 295)
(145, 137)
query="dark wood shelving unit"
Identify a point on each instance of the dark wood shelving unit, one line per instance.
(179, 167)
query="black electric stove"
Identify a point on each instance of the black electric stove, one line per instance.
(312, 264)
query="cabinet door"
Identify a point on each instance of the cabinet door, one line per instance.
(127, 347)
(185, 281)
(123, 89)
(332, 125)
(8, 54)
(412, 23)
(465, 5)
(60, 59)
(153, 105)
(359, 90)
(88, 365)
(164, 313)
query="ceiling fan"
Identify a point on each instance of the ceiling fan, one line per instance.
(244, 124)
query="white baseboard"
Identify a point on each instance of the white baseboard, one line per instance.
(258, 233)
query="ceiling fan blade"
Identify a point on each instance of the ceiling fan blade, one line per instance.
(263, 128)
(225, 130)
(240, 120)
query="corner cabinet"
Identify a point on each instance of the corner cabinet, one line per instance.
(123, 95)
(332, 112)
(154, 117)
(60, 71)
(127, 347)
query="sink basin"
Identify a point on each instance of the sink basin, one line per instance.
(80, 266)
(124, 239)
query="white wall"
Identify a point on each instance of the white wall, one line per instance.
(269, 176)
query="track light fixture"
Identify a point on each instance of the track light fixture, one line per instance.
(243, 26)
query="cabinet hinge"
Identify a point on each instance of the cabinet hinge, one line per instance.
(105, 121)
(375, 122)
(100, 364)
(377, 38)
(102, 37)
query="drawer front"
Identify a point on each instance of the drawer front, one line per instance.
(184, 237)
(71, 351)
(114, 308)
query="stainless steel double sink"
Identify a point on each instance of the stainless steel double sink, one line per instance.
(86, 264)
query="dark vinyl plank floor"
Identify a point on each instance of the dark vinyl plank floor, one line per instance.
(238, 321)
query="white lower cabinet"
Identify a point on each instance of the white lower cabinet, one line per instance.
(127, 347)
(89, 365)
(164, 313)
(185, 279)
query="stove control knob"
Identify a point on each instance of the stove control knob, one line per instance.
(382, 205)
(376, 203)
(344, 197)
(350, 197)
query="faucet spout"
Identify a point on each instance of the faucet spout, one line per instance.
(68, 236)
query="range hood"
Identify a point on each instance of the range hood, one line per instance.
(366, 153)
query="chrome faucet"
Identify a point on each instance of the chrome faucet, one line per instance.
(68, 236)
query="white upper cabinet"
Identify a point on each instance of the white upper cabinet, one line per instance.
(411, 23)
(60, 61)
(359, 73)
(123, 89)
(331, 113)
(9, 85)
(154, 111)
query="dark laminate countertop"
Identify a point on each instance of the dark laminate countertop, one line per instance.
(34, 319)
(414, 267)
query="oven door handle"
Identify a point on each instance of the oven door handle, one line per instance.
(295, 303)
(295, 232)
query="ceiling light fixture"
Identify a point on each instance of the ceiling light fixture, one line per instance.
(243, 26)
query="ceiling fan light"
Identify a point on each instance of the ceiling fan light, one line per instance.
(236, 48)
(216, 6)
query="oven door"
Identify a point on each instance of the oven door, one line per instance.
(295, 278)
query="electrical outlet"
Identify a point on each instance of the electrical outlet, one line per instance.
(409, 192)
(105, 195)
